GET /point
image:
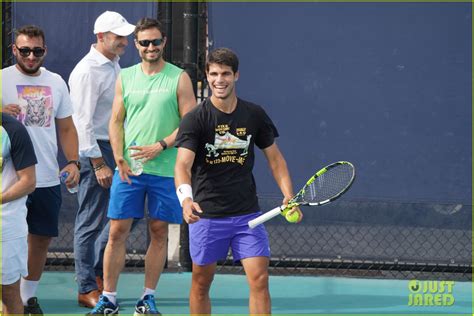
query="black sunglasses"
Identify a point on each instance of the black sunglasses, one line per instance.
(26, 51)
(155, 42)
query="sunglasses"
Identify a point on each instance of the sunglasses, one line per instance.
(26, 51)
(155, 42)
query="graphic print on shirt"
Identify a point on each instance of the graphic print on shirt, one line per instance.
(36, 105)
(228, 148)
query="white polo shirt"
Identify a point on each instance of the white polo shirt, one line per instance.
(92, 84)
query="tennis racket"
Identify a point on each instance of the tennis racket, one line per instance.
(325, 186)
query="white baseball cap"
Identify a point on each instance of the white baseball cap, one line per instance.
(110, 21)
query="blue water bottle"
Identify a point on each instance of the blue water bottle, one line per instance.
(62, 177)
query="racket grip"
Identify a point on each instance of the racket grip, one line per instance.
(265, 217)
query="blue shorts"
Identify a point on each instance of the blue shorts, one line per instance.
(128, 200)
(43, 211)
(210, 239)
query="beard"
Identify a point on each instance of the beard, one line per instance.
(27, 70)
(119, 50)
(156, 59)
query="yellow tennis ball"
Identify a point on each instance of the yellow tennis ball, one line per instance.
(292, 217)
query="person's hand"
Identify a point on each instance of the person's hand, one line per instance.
(189, 210)
(11, 109)
(73, 178)
(146, 152)
(294, 209)
(124, 170)
(104, 176)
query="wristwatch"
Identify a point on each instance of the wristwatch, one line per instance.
(163, 144)
(76, 162)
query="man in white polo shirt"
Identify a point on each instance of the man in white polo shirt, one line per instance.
(92, 84)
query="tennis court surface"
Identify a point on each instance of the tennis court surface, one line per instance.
(290, 295)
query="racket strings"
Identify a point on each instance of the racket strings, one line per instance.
(329, 184)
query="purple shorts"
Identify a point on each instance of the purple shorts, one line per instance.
(210, 239)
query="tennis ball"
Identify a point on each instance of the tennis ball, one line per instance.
(292, 217)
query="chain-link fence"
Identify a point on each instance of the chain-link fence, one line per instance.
(350, 238)
(373, 239)
(61, 256)
(7, 29)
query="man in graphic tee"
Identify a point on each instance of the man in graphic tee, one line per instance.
(39, 99)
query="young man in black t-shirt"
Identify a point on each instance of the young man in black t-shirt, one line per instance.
(216, 154)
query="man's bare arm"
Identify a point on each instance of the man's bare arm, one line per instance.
(25, 185)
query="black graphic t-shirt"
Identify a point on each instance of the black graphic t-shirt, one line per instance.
(222, 179)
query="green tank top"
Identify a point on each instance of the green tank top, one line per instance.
(151, 113)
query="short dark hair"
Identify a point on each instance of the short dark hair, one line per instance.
(30, 31)
(223, 56)
(148, 23)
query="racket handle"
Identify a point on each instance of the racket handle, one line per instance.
(265, 217)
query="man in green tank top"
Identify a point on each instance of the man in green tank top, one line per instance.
(150, 100)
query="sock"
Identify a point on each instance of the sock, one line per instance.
(27, 290)
(112, 296)
(147, 291)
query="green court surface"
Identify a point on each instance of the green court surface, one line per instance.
(290, 295)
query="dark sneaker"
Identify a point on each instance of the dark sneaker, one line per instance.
(146, 306)
(104, 307)
(32, 307)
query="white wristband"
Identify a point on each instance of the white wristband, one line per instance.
(183, 192)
